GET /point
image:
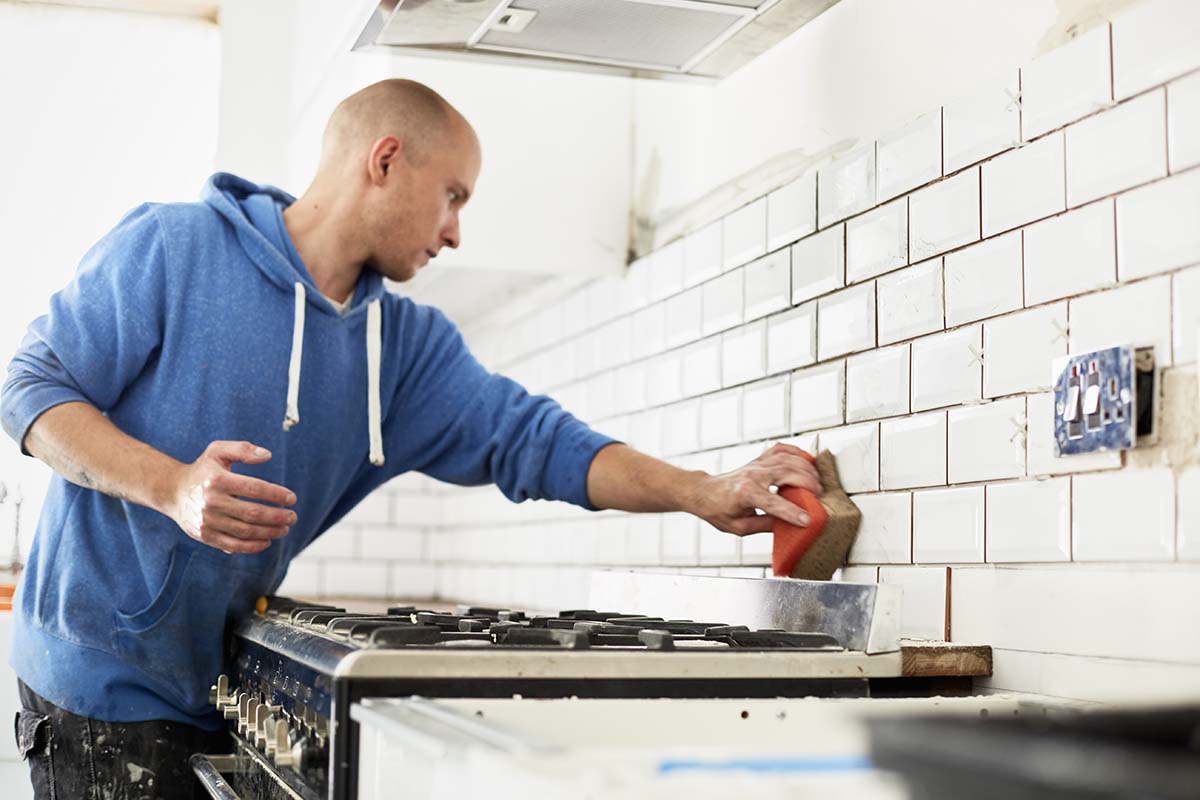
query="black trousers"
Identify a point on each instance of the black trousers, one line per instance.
(74, 757)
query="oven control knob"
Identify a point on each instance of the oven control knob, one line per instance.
(279, 746)
(218, 694)
(230, 709)
(259, 729)
(246, 720)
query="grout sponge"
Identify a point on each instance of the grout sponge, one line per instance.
(816, 551)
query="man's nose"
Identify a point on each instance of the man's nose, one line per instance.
(451, 235)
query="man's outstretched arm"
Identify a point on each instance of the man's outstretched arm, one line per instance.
(622, 478)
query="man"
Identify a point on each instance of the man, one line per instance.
(220, 383)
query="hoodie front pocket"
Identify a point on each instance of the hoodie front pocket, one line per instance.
(153, 613)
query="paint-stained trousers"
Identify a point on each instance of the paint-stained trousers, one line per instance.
(74, 757)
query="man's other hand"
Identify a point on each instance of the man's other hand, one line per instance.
(728, 501)
(225, 510)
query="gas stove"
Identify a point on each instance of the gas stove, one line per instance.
(298, 667)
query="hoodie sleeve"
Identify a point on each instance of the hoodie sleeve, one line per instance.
(100, 331)
(472, 427)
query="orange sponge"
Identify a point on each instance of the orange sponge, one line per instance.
(816, 551)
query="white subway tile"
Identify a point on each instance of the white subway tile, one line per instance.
(1183, 122)
(664, 378)
(910, 156)
(631, 387)
(877, 241)
(1188, 515)
(946, 368)
(354, 579)
(885, 534)
(948, 525)
(702, 367)
(644, 543)
(1020, 349)
(681, 428)
(386, 542)
(745, 234)
(910, 302)
(818, 397)
(1154, 42)
(765, 408)
(636, 291)
(1067, 83)
(575, 309)
(723, 302)
(1118, 149)
(416, 581)
(1137, 314)
(1185, 314)
(846, 186)
(856, 451)
(1109, 680)
(1041, 458)
(1125, 516)
(857, 575)
(602, 393)
(984, 280)
(702, 254)
(792, 338)
(981, 125)
(1023, 185)
(805, 441)
(1070, 254)
(613, 343)
(757, 550)
(718, 548)
(924, 604)
(341, 541)
(913, 451)
(987, 442)
(1078, 608)
(680, 539)
(944, 216)
(877, 384)
(683, 316)
(743, 354)
(645, 431)
(720, 418)
(1029, 521)
(792, 211)
(666, 271)
(303, 579)
(818, 264)
(731, 458)
(768, 284)
(374, 509)
(846, 321)
(1156, 226)
(649, 331)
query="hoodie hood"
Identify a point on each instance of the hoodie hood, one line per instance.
(231, 196)
(227, 194)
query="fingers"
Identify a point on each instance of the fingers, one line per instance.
(223, 523)
(249, 513)
(755, 523)
(238, 452)
(788, 469)
(255, 489)
(233, 545)
(791, 449)
(781, 508)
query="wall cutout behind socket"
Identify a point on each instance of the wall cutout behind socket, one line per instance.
(1104, 400)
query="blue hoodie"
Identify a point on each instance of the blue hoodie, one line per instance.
(180, 326)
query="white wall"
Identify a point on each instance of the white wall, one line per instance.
(967, 251)
(103, 111)
(861, 67)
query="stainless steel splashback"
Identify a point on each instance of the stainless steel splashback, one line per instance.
(862, 616)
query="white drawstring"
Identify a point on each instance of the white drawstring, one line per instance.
(374, 420)
(374, 333)
(292, 415)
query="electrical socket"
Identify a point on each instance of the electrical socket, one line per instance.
(1105, 400)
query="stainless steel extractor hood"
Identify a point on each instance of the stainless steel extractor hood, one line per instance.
(642, 38)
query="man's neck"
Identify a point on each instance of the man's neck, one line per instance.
(315, 226)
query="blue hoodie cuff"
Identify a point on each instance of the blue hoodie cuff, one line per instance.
(575, 446)
(34, 400)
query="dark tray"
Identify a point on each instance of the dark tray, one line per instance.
(1148, 754)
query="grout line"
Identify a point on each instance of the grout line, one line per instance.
(1112, 82)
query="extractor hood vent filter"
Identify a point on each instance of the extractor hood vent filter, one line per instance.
(642, 38)
(632, 34)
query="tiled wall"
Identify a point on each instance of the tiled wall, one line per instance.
(899, 306)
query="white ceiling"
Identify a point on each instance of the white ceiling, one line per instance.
(202, 9)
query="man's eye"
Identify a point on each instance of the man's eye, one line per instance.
(453, 196)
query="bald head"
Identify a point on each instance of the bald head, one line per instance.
(412, 112)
